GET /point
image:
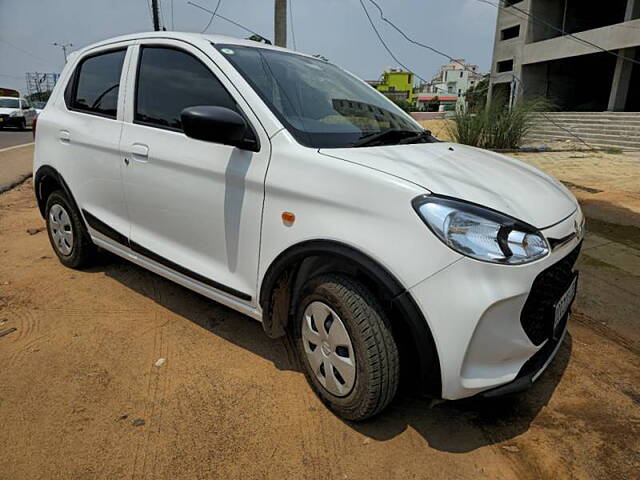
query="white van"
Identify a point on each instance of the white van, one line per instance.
(291, 191)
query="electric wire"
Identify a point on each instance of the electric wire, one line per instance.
(213, 15)
(452, 59)
(233, 22)
(562, 31)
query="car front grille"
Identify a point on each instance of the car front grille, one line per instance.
(537, 314)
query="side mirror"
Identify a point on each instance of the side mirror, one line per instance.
(217, 124)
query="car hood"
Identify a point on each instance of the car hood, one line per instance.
(472, 174)
(7, 111)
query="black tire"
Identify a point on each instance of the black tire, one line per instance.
(83, 250)
(23, 125)
(376, 354)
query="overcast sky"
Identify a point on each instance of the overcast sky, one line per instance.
(337, 29)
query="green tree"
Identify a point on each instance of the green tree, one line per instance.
(403, 104)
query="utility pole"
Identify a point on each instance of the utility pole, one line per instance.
(280, 23)
(64, 47)
(156, 17)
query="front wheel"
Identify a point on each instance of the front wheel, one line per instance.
(346, 346)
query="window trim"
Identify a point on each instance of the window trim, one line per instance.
(71, 89)
(165, 46)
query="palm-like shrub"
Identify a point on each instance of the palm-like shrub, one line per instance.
(495, 126)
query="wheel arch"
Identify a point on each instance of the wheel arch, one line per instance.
(46, 181)
(285, 276)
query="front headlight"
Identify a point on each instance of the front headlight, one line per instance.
(480, 232)
(15, 113)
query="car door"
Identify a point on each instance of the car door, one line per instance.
(195, 206)
(87, 124)
(28, 112)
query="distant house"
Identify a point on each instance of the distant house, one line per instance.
(436, 103)
(395, 84)
(452, 80)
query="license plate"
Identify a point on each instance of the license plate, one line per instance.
(562, 306)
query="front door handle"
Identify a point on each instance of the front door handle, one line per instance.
(65, 136)
(140, 152)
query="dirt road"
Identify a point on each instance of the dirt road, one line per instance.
(79, 374)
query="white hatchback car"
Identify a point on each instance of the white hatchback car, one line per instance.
(16, 112)
(293, 192)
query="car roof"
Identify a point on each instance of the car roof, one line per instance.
(188, 37)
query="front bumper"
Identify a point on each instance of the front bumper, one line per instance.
(491, 323)
(7, 121)
(533, 368)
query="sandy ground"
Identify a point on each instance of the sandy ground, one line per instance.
(79, 374)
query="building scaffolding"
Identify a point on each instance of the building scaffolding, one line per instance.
(40, 85)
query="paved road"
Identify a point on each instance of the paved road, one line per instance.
(11, 137)
(16, 163)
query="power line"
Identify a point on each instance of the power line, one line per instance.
(164, 22)
(447, 56)
(213, 15)
(225, 19)
(23, 50)
(415, 42)
(150, 11)
(386, 47)
(293, 33)
(562, 31)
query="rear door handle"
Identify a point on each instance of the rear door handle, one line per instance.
(140, 152)
(65, 136)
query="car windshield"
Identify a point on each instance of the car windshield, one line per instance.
(320, 104)
(9, 103)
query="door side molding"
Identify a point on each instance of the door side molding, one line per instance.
(101, 227)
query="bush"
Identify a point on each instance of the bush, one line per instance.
(494, 126)
(403, 104)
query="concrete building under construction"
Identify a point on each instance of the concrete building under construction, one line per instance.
(579, 54)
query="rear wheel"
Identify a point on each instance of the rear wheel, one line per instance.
(66, 232)
(346, 347)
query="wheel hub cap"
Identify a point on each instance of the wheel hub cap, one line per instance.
(328, 348)
(60, 229)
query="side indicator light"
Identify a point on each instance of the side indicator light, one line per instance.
(288, 218)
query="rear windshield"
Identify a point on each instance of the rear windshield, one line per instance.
(9, 103)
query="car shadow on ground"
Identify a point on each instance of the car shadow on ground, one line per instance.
(453, 426)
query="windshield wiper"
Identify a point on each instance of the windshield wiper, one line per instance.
(383, 136)
(424, 136)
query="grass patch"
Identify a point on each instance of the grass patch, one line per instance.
(613, 151)
(495, 126)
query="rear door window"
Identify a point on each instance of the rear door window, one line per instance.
(170, 80)
(97, 84)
